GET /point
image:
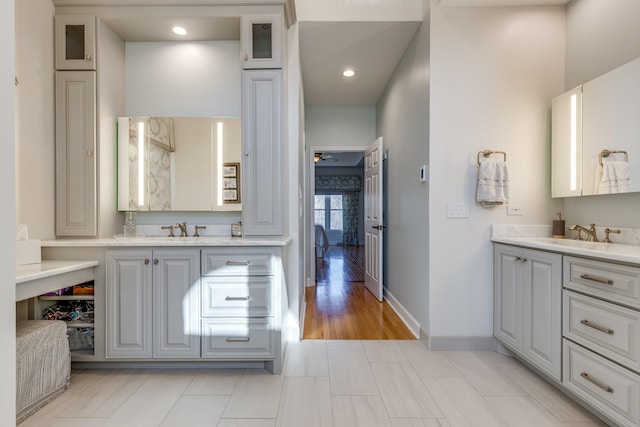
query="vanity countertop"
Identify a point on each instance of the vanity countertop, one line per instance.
(150, 241)
(47, 276)
(606, 251)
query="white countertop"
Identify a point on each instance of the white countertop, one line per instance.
(151, 241)
(36, 279)
(534, 237)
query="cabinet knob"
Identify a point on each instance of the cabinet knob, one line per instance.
(88, 56)
(146, 262)
(89, 153)
(246, 57)
(155, 261)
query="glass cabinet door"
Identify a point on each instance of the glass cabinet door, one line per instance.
(75, 42)
(262, 41)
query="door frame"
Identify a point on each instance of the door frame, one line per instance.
(309, 218)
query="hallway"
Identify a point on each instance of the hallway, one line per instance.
(340, 307)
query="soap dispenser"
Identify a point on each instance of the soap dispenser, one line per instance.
(130, 224)
(558, 227)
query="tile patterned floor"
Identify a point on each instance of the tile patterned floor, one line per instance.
(324, 383)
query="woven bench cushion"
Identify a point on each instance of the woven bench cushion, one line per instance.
(43, 364)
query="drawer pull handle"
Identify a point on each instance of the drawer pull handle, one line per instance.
(237, 339)
(596, 279)
(596, 383)
(247, 262)
(228, 298)
(598, 327)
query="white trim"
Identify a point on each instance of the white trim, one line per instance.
(410, 322)
(303, 315)
(311, 191)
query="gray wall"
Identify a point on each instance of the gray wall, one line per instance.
(403, 122)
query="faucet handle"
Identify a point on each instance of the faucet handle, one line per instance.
(170, 228)
(610, 230)
(199, 227)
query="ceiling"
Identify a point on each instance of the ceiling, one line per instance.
(340, 159)
(158, 29)
(372, 49)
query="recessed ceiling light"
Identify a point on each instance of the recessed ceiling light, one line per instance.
(348, 73)
(179, 31)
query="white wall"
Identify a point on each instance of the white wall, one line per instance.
(355, 10)
(493, 74)
(8, 217)
(183, 79)
(601, 36)
(403, 123)
(340, 126)
(35, 131)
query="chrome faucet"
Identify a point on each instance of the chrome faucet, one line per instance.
(183, 229)
(590, 232)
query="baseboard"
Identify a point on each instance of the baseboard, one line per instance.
(457, 343)
(409, 321)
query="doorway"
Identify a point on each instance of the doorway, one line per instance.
(338, 306)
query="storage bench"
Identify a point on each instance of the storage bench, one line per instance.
(43, 364)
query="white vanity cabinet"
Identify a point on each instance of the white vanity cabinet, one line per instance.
(240, 302)
(262, 41)
(75, 42)
(601, 329)
(76, 182)
(263, 165)
(527, 305)
(152, 304)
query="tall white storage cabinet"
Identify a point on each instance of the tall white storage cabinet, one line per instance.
(76, 184)
(262, 210)
(528, 305)
(153, 299)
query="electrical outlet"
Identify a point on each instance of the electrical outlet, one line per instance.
(457, 210)
(514, 210)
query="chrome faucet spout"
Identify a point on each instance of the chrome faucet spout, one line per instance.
(590, 232)
(183, 229)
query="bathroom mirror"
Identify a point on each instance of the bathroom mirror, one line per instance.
(179, 164)
(596, 135)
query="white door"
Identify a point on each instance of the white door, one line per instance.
(373, 226)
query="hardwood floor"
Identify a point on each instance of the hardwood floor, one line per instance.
(340, 307)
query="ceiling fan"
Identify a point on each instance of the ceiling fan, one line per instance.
(323, 156)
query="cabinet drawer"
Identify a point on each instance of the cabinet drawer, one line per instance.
(237, 296)
(237, 262)
(238, 339)
(608, 387)
(613, 282)
(608, 329)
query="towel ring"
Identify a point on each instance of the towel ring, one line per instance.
(487, 153)
(607, 153)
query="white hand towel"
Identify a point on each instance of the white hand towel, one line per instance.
(613, 176)
(493, 183)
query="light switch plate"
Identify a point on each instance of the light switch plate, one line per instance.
(514, 210)
(457, 210)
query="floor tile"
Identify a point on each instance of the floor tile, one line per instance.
(306, 401)
(415, 422)
(403, 394)
(257, 395)
(359, 411)
(307, 358)
(64, 422)
(195, 411)
(433, 364)
(214, 381)
(246, 423)
(521, 412)
(344, 345)
(350, 373)
(485, 377)
(383, 351)
(459, 402)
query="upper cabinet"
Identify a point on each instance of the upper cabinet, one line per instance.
(262, 40)
(595, 133)
(75, 39)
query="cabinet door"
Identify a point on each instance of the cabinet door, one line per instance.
(262, 39)
(75, 39)
(262, 213)
(129, 319)
(542, 310)
(176, 303)
(76, 201)
(507, 296)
